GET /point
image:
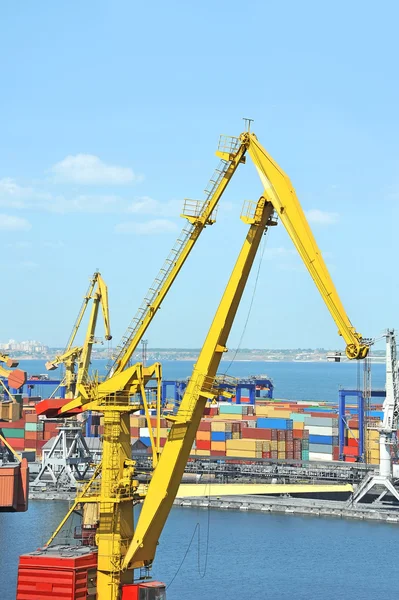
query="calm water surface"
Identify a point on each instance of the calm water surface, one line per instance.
(250, 555)
(295, 381)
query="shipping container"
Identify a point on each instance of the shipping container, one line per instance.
(270, 423)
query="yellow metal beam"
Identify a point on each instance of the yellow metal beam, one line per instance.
(166, 477)
(279, 190)
(219, 490)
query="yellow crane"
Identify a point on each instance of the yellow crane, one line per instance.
(81, 355)
(121, 546)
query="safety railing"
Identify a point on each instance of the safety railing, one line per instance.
(229, 144)
(195, 208)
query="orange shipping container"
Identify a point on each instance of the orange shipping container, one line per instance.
(31, 418)
(218, 446)
(203, 435)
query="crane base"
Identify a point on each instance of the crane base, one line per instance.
(375, 481)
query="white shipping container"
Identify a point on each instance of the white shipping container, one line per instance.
(318, 456)
(316, 430)
(144, 432)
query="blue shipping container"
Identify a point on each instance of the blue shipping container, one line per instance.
(146, 441)
(323, 439)
(273, 423)
(218, 436)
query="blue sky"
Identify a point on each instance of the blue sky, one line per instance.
(110, 116)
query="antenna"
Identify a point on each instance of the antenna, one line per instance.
(248, 123)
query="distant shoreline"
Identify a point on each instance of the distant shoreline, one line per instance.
(375, 360)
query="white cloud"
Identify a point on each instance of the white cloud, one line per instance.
(154, 227)
(321, 217)
(90, 169)
(11, 223)
(13, 195)
(148, 206)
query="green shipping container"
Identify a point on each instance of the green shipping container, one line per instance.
(33, 426)
(305, 454)
(230, 409)
(14, 433)
(298, 417)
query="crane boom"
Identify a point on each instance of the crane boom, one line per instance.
(198, 217)
(279, 190)
(168, 473)
(99, 297)
(82, 311)
(98, 292)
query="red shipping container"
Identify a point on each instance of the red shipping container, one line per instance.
(273, 433)
(289, 454)
(255, 433)
(298, 434)
(52, 426)
(218, 453)
(327, 415)
(53, 572)
(350, 459)
(31, 435)
(135, 432)
(203, 444)
(16, 443)
(20, 424)
(351, 451)
(297, 455)
(289, 435)
(354, 443)
(281, 435)
(266, 454)
(335, 453)
(204, 426)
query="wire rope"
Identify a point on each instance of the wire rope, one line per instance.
(264, 244)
